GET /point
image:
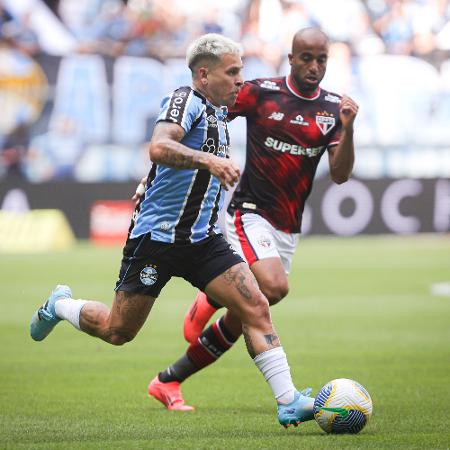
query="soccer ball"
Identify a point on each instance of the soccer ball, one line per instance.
(342, 406)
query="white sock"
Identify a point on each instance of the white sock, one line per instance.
(69, 309)
(275, 369)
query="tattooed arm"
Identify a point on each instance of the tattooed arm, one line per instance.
(167, 150)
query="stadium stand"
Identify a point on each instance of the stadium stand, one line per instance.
(116, 59)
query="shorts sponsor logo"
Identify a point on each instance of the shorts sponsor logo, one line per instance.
(325, 121)
(233, 250)
(264, 241)
(148, 275)
(293, 149)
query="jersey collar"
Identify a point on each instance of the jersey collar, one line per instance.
(221, 110)
(297, 93)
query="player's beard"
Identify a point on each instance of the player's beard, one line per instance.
(306, 88)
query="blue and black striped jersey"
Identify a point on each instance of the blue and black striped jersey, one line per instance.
(181, 205)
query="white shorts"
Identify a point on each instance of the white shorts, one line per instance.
(254, 238)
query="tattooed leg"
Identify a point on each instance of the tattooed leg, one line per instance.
(242, 279)
(272, 340)
(238, 290)
(248, 341)
(120, 324)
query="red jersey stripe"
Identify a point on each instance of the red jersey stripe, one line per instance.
(247, 248)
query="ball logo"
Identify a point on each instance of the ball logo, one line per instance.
(148, 276)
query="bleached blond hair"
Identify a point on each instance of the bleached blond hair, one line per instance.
(211, 47)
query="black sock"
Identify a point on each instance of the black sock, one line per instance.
(178, 371)
(208, 349)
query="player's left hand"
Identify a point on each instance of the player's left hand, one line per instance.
(347, 112)
(140, 191)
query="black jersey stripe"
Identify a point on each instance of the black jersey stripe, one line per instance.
(152, 174)
(150, 177)
(227, 138)
(192, 208)
(215, 212)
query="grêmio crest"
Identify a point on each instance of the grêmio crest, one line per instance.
(325, 121)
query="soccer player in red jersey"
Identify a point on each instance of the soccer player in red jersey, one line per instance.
(291, 123)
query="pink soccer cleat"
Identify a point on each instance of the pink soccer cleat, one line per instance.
(169, 394)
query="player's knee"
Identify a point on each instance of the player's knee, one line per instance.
(120, 337)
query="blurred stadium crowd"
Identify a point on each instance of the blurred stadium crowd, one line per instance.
(81, 79)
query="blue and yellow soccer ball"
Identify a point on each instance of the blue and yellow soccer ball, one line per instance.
(342, 406)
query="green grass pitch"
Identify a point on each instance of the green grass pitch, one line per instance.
(358, 308)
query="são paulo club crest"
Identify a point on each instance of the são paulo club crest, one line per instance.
(325, 121)
(264, 241)
(148, 275)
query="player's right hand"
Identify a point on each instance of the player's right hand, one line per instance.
(225, 170)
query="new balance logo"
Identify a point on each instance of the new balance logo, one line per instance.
(276, 116)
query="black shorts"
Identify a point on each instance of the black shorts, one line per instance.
(148, 265)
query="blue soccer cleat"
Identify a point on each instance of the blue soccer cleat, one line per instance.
(45, 318)
(299, 410)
